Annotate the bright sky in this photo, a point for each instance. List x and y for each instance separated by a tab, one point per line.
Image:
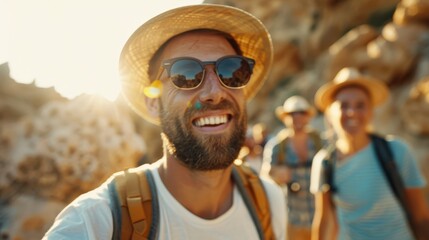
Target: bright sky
72	45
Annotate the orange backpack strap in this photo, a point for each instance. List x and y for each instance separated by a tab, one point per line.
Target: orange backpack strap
255	198
134	205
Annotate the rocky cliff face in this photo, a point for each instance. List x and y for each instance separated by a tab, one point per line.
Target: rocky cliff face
53	149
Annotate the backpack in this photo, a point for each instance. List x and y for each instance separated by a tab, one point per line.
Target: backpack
135	209
283	138
387	163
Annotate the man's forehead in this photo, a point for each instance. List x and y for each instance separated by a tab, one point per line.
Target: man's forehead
199	45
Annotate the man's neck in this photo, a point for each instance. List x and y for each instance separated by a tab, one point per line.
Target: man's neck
207	194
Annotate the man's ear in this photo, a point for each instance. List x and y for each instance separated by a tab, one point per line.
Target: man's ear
152	105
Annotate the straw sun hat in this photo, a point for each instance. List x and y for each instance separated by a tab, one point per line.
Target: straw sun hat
377	90
294	104
250	34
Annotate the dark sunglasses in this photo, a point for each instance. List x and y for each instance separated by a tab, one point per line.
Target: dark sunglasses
188	73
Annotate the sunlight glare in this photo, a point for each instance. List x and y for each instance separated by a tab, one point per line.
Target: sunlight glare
72	45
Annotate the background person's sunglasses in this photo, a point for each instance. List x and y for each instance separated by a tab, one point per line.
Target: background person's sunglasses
188	73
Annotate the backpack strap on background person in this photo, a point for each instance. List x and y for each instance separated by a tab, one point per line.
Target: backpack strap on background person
317	140
387	163
329	168
255	198
385	158
135	207
282	139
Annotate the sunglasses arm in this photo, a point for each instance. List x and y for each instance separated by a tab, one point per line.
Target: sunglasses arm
158	75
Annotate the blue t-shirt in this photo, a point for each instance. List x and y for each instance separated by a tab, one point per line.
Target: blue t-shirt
366	208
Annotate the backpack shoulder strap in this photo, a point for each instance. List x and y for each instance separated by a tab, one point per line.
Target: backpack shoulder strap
317	140
282	139
329	168
134	207
255	198
385	158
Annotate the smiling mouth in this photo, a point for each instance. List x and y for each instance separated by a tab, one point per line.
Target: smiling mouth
352	123
211	121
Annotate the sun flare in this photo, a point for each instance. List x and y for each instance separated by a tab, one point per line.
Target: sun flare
72	45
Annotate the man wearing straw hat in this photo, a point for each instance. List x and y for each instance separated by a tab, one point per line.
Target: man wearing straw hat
190	70
288	158
350	179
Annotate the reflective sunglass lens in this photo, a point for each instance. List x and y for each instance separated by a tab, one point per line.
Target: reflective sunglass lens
186	73
234	72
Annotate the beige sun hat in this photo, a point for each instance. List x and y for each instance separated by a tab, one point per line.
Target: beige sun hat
351	77
249	32
295	104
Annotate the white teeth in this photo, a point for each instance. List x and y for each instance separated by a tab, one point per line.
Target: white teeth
212	120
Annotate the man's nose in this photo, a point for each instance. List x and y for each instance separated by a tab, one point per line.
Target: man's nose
212	89
350	111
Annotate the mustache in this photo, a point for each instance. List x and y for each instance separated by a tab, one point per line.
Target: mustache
200	107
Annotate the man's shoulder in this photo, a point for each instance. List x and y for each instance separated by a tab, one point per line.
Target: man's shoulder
396	142
101	194
93	198
84	217
397	145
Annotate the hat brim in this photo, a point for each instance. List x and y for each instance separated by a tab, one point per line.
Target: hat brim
377	90
249	33
280	112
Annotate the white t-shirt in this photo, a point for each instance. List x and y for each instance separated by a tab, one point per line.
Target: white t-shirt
90	217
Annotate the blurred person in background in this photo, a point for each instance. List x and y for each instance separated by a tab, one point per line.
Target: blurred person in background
352	192
251	153
287	159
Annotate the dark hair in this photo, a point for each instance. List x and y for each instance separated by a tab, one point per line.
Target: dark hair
154	61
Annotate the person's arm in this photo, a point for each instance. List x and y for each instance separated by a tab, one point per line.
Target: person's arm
419	211
280	174
325	224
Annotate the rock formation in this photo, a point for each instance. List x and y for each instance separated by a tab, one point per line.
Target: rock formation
53	150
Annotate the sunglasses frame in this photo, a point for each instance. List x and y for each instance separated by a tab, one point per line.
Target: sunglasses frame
167	64
301	112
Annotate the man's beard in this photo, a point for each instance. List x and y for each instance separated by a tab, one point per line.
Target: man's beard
208	153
